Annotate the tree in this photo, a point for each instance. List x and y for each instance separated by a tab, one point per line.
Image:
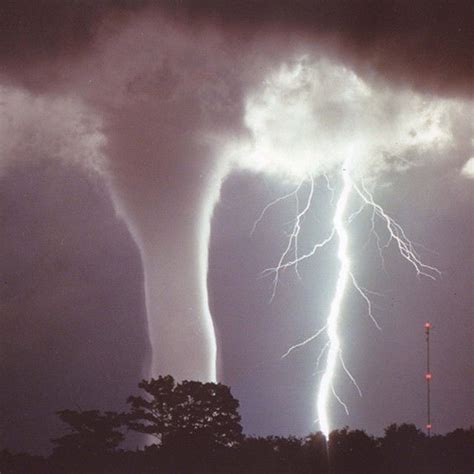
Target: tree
402	447
13	463
187	412
353	451
273	454
316	452
91	433
452	452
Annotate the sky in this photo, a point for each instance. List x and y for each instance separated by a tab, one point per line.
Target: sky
140	143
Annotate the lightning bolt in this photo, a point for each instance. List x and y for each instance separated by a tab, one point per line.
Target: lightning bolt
346	279
334	349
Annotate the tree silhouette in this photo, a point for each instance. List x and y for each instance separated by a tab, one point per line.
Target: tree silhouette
316	452
187	413
194	443
91	433
352	451
453	452
402	447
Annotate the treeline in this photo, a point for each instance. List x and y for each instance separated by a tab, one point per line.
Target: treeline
194	428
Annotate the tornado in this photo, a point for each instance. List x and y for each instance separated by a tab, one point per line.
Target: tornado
168	108
150	113
168	205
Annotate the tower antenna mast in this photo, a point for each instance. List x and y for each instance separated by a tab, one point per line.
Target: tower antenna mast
428	377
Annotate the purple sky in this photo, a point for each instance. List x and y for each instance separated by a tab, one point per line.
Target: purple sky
74	243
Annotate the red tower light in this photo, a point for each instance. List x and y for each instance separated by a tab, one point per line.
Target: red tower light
428	376
427	325
428	426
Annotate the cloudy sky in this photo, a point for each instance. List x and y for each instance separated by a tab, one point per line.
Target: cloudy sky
140	142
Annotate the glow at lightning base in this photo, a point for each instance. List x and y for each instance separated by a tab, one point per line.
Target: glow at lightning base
313	119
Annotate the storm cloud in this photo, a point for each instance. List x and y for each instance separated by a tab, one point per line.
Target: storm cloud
425	43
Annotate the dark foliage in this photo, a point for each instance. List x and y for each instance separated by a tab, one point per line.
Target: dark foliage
187	414
91	432
353	451
402	447
197	431
92	437
22	463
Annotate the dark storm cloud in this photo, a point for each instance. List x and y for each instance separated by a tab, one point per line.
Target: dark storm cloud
399	39
427	44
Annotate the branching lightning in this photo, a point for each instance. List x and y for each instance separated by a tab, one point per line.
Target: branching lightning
346	279
293	239
397	234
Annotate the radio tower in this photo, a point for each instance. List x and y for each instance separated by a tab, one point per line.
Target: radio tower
428	379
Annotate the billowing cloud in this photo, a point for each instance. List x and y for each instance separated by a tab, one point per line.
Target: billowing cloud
310	117
468	168
34	127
